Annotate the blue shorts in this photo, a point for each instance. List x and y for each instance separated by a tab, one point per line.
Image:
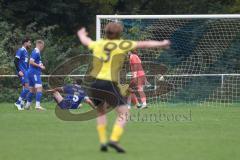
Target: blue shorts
24	79
34	80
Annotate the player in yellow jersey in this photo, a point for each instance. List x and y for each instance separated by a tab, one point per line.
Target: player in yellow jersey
108	58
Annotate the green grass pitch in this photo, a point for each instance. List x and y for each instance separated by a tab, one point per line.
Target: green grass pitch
176	132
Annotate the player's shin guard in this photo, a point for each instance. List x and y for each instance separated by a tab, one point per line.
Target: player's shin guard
116	133
23	95
142	95
134	98
38	98
29	99
19	100
102	133
129	101
144	100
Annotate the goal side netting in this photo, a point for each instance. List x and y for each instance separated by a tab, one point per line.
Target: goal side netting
202	65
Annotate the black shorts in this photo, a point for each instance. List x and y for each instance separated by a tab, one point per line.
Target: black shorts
65	104
101	91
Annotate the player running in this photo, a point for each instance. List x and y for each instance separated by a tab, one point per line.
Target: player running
138	80
34	73
108	58
21	64
74	95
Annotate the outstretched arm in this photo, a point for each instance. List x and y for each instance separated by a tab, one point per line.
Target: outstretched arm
83	37
153	44
58	89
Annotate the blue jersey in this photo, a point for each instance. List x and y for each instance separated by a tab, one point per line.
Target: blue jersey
22	55
36	57
74	94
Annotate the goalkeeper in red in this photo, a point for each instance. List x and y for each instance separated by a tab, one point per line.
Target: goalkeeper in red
138	80
109	55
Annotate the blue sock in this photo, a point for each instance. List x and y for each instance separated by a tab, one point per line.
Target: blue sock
23	95
29	97
19	100
38	98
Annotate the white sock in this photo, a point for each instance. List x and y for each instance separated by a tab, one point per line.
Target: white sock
144	103
129	100
28	104
37	104
20	99
22	102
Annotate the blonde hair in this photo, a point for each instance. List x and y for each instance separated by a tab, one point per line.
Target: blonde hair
39	42
113	30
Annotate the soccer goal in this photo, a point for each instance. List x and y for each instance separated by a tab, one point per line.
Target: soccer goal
203	64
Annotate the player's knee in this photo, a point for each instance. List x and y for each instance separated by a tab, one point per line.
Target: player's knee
38	87
101	111
31	89
122	111
26	86
56	94
122	119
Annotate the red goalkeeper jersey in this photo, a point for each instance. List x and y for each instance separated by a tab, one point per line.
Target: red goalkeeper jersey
136	66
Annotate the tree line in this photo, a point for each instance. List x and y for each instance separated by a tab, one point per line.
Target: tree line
57	21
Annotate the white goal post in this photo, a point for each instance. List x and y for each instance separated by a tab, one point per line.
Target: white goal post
117	17
201	44
203	62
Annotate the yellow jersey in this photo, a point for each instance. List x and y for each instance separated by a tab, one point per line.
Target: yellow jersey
108	57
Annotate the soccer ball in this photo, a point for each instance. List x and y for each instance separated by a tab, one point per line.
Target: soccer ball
160	78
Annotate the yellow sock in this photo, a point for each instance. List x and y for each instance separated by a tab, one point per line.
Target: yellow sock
116	133
102	134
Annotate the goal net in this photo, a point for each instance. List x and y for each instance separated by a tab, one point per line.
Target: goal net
202	65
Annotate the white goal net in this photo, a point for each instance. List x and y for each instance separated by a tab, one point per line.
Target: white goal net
203	64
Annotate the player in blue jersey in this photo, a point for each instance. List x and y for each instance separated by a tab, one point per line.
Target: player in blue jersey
34	73
21	64
74	95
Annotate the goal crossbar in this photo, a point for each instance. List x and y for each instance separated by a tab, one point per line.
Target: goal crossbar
168	16
180	75
200	16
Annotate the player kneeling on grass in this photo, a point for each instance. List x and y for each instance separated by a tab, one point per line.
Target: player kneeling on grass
74	95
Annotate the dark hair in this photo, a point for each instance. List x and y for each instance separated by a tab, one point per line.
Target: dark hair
26	39
113	30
